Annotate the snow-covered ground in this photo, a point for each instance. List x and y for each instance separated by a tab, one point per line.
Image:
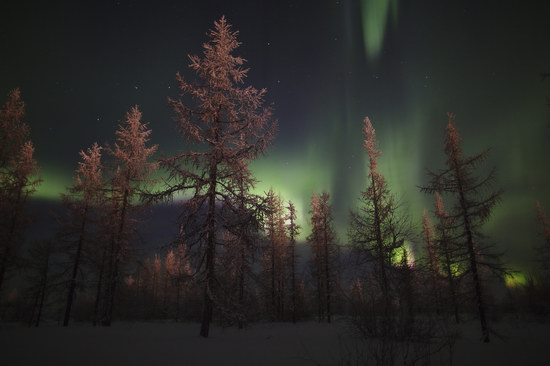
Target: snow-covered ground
261	344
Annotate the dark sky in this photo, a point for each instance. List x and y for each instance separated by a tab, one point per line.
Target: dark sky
326	64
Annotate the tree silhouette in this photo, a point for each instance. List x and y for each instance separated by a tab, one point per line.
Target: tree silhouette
472	208
377	229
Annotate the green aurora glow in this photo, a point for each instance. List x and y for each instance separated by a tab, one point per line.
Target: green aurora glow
405	78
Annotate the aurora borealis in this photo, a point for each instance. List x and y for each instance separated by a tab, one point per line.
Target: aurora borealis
326	65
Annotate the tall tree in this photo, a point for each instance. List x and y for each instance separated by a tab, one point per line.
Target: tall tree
472	208
447	251
18	171
228	124
293	231
85	195
432	259
377	228
38	274
132	168
14	131
18	182
324	252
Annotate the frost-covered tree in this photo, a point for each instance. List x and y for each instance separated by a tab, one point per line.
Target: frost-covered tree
14	131
18	182
474	200
132	169
84	197
225	123
18	170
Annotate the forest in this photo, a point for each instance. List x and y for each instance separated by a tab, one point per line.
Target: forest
236	260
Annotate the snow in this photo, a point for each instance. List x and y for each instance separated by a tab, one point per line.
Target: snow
306	343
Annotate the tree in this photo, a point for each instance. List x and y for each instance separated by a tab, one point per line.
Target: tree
447	250
472	208
377	229
544	250
18	181
324	251
14	131
39	275
433	265
293	230
132	169
228	124
86	195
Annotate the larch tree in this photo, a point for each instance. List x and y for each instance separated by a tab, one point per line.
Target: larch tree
432	259
132	168
18	171
377	228
39	275
14	131
226	124
474	200
324	252
293	230
83	198
18	183
447	252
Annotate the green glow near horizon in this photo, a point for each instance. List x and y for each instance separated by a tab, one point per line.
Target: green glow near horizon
514	280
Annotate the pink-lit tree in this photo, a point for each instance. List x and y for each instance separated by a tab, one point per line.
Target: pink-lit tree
132	169
84	197
227	126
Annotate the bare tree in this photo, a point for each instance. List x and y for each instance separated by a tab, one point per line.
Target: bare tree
472	208
228	124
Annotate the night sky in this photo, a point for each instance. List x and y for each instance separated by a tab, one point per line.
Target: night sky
326	64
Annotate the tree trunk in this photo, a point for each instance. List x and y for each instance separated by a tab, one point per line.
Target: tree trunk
327	273
72	284
210	252
98	289
472	259
117	248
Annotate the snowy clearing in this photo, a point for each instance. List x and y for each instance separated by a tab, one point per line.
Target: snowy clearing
261	344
